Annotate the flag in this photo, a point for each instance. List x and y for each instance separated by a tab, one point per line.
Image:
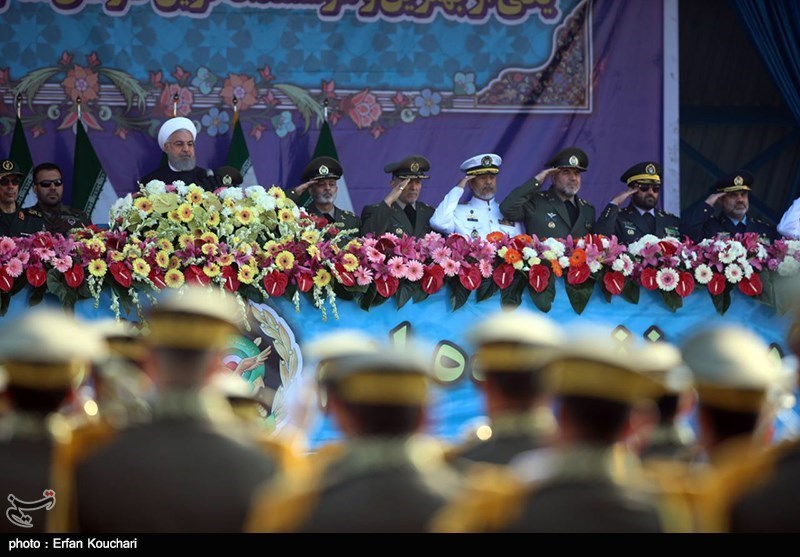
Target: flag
239	154
326	148
21	154
91	190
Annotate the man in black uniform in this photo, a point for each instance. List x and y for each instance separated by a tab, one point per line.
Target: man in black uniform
49	189
13	221
176	138
557	212
731	194
401	212
640	216
320	176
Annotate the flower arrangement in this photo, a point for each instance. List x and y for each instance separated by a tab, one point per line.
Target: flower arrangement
257	243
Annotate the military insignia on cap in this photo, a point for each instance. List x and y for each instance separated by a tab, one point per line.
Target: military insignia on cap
573	160
227	180
414	167
551	224
323	170
650	169
8	165
486	161
398	231
738	181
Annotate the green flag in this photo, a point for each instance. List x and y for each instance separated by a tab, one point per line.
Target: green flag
239	155
327	148
21	154
91	190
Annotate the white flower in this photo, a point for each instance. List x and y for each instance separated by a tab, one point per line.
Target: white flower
231	193
180	187
155	187
636	247
555	246
254	191
667	279
788	267
623	264
747	269
703	274
121	205
733	273
529	253
226	212
793	245
564	262
731	252
595	266
534	261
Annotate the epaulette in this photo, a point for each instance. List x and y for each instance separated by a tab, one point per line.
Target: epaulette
349	213
34	212
582	201
761	221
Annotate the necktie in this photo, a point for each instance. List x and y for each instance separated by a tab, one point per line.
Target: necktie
572	211
411	213
650	220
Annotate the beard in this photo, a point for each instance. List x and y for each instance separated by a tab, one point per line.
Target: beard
182	164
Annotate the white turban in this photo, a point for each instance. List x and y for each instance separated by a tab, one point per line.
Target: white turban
172	125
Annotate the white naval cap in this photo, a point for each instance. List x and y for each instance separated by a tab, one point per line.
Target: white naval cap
487	163
172	125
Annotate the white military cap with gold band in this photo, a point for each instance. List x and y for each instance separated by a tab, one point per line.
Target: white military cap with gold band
46	348
663	362
592	364
339	344
382	378
487	163
731	367
193	318
514	341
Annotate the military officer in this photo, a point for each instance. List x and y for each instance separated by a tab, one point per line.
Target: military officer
43	369
401	212
640	216
557	212
480	214
731	194
48	186
194	467
320	179
385	476
13	221
511	349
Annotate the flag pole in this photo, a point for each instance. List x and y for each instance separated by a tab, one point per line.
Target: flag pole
175	105
235	109
78	102
19	106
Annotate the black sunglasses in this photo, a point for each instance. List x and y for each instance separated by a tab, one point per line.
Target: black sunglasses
644	187
48	183
10	181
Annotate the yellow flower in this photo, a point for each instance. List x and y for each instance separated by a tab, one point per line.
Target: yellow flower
194	195
174	262
285	260
311	236
246	274
150	233
244	216
117	255
132	251
322	278
313	251
209	237
174	278
185	213
225	260
184	240
272	247
285	215
229	204
209	249
213	219
349	262
276	192
98	268
174	216
353	244
211	270
144	205
141	267
165	244
96	244
162	259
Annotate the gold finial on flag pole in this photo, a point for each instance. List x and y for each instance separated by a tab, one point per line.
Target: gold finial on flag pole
325	109
235	102
175	105
78	104
19	106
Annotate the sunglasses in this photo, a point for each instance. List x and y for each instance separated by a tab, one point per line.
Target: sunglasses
644	187
48	183
10	181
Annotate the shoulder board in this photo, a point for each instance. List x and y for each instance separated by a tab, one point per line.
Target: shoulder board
34	212
582	201
349	213
759	220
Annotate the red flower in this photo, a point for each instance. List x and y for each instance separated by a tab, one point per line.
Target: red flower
157	278
275	283
74	276
345	277
121	273
717	284
751	286
432	278
81	82
387	285
470	277
363	108
180	74
195	275
266	73
231	280
6	280
667	248
241	86
36	276
578	275
503	275
304	281
614	281
685	284
538	277
648	279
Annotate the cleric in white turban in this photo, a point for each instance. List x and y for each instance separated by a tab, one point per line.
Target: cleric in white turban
176	138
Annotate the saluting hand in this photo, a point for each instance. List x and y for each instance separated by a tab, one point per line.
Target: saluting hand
542	176
623	196
397	187
464	181
714	197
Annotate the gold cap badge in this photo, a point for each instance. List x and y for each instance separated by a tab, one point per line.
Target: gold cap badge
323	170
650	169
738	181
8	165
486	161
414	167
573	160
